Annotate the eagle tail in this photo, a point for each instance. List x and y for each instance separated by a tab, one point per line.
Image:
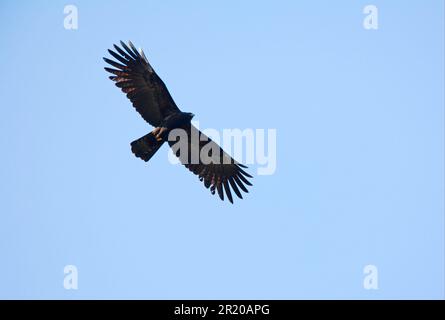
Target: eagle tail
146	146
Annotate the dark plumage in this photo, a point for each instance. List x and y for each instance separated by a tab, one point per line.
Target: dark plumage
150	97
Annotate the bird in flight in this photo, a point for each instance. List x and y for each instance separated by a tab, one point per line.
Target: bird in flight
133	74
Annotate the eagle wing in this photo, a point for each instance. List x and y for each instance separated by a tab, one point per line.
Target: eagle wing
219	171
137	79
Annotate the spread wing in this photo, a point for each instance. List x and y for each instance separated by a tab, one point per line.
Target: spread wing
147	92
206	159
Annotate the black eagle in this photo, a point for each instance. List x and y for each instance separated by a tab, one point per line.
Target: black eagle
133	74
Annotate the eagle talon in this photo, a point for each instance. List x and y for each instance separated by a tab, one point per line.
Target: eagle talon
157	132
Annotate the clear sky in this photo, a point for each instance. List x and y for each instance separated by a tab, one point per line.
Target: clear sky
359	116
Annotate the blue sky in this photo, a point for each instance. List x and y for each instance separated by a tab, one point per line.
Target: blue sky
359	116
